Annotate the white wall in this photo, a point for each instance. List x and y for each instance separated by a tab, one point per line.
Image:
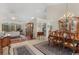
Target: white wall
54	12
39	28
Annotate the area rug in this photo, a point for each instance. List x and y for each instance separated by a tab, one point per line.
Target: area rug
50	50
23	50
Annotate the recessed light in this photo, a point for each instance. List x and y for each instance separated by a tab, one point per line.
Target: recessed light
13	18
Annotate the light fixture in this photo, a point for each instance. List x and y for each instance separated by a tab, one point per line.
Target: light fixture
13	18
32	18
67	12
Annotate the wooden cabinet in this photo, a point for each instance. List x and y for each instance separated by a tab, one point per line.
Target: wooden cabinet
70	24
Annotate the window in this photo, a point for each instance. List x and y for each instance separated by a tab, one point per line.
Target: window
8	27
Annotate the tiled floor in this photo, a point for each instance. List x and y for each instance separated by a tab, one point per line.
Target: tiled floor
29	43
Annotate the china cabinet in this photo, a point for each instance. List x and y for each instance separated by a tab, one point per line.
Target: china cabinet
29	29
70	24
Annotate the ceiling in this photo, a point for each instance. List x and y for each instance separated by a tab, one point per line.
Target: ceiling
58	10
24	11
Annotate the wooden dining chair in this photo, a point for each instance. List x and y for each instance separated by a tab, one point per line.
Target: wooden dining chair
70	42
60	38
55	38
77	48
50	38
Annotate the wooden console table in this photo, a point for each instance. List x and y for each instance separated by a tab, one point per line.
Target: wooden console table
40	34
5	42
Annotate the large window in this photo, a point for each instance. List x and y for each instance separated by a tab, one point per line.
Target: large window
8	27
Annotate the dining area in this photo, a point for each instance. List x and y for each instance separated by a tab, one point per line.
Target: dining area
67	36
64	40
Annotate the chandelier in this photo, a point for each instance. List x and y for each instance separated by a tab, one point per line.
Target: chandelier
67	12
